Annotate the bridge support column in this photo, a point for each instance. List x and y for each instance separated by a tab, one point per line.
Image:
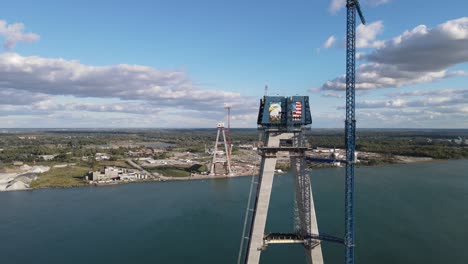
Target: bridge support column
307	221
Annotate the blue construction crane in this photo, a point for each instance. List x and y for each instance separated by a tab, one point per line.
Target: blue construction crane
350	124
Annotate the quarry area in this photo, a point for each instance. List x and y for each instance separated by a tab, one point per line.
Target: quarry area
21	177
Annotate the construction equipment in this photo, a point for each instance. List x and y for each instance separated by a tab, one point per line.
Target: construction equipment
350	124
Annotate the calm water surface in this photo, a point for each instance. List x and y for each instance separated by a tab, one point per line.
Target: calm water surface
415	213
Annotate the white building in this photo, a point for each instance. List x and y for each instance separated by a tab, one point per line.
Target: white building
102	156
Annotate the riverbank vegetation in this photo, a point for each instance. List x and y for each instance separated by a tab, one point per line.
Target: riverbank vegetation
61	177
436	144
179	171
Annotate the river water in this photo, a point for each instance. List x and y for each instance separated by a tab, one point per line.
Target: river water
414	213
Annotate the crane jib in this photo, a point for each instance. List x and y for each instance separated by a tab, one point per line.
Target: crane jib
355	3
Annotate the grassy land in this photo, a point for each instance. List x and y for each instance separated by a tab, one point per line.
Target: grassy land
116	163
61	177
173	171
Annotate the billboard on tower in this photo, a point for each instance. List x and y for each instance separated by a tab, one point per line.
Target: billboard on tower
275	112
284	112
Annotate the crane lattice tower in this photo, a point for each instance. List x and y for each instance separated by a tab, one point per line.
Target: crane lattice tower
350	124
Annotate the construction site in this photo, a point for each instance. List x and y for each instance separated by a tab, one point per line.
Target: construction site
246	132
283	121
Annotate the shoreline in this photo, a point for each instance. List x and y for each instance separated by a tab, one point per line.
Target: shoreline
210	177
408	160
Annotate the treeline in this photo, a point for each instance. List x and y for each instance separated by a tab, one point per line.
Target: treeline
407	144
67	145
399	147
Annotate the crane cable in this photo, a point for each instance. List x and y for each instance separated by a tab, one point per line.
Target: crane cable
244	229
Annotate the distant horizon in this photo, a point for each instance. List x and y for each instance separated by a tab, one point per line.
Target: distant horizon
213	128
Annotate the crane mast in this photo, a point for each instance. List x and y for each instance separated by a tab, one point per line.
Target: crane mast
350	124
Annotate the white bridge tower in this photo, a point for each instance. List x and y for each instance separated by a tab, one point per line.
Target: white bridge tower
220	156
283	121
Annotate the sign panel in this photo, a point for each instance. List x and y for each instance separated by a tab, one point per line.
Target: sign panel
275	112
283	112
296	108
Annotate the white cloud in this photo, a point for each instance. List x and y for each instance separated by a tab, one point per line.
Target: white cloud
439	92
426	49
421	55
366	34
314	90
15	97
14	33
375	75
398	103
329	42
51	106
336	5
446	117
333	94
377	2
34	86
162	88
429	99
419	108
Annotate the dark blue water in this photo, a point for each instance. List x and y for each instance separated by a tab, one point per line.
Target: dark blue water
414	213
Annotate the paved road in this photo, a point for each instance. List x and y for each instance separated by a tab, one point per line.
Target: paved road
136	166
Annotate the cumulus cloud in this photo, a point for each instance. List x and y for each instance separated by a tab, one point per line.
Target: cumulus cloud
126	82
33	86
375	75
15	97
439	92
446	117
426	49
134	108
443	98
366	35
421	55
14	33
51	106
418	108
329	42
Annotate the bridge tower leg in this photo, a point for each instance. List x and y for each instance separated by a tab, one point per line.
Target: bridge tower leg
306	222
217	158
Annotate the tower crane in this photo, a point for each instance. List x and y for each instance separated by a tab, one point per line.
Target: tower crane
350	124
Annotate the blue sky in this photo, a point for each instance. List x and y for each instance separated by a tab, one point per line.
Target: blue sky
175	63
